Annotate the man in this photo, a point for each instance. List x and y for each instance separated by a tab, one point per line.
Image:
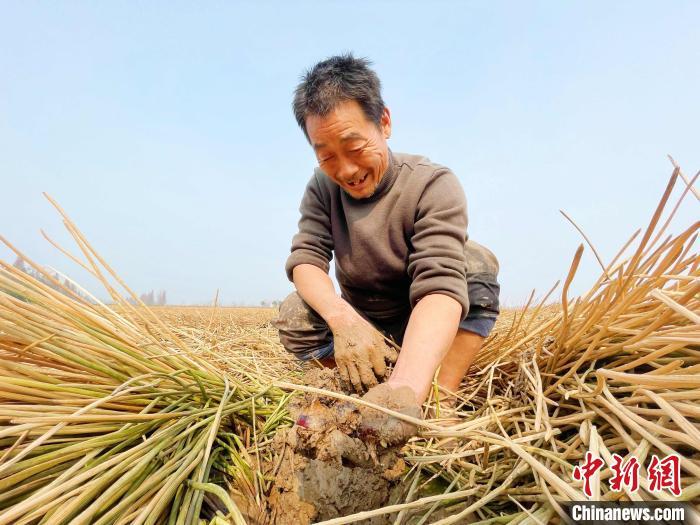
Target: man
397	226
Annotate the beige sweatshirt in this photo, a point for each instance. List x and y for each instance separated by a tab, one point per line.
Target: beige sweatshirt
404	242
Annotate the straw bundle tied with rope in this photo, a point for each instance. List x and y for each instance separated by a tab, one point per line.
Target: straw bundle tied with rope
113	414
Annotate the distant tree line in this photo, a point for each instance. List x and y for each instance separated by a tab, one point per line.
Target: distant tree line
64	284
270	304
151	298
154	299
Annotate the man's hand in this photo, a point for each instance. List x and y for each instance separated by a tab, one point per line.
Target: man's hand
360	352
383	427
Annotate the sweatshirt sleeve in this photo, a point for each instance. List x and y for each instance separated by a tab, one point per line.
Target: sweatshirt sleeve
313	243
436	261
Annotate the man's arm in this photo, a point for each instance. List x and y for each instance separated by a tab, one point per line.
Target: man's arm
313	243
431	329
438	294
359	348
316	288
438	282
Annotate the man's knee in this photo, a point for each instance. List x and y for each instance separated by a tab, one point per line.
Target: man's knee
483	288
295	314
480	260
478	324
301	330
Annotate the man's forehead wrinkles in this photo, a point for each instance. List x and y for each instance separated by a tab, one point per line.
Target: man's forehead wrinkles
351	136
354	135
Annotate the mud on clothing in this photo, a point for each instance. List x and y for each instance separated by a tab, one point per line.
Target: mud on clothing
408	240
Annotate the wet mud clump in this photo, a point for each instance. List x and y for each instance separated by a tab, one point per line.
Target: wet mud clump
325	466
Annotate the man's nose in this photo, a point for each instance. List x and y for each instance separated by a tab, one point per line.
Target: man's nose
347	170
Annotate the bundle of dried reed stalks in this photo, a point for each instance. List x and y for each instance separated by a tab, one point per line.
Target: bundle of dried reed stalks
107	417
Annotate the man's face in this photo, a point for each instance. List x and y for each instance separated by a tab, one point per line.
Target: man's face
351	149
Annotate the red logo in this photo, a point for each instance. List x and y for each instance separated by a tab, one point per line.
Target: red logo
665	474
624	474
584	472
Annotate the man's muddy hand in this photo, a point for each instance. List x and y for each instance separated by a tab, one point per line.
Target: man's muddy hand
361	353
383	427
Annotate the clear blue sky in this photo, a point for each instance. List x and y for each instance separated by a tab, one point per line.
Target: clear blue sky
165	128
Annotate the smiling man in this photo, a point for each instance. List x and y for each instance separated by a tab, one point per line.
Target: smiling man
397	227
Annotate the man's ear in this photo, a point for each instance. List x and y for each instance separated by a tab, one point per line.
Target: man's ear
385	122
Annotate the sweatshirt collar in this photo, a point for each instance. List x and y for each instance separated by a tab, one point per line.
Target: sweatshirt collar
386	182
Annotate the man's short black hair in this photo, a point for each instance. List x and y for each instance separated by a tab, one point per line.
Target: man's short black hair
335	80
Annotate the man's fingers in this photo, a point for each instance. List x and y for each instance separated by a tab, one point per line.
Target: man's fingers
377	357
385	427
343	370
366	374
355	377
390	354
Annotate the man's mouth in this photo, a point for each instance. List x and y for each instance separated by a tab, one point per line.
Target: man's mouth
359	182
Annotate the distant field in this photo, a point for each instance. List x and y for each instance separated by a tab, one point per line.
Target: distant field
240	316
221	331
229	324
